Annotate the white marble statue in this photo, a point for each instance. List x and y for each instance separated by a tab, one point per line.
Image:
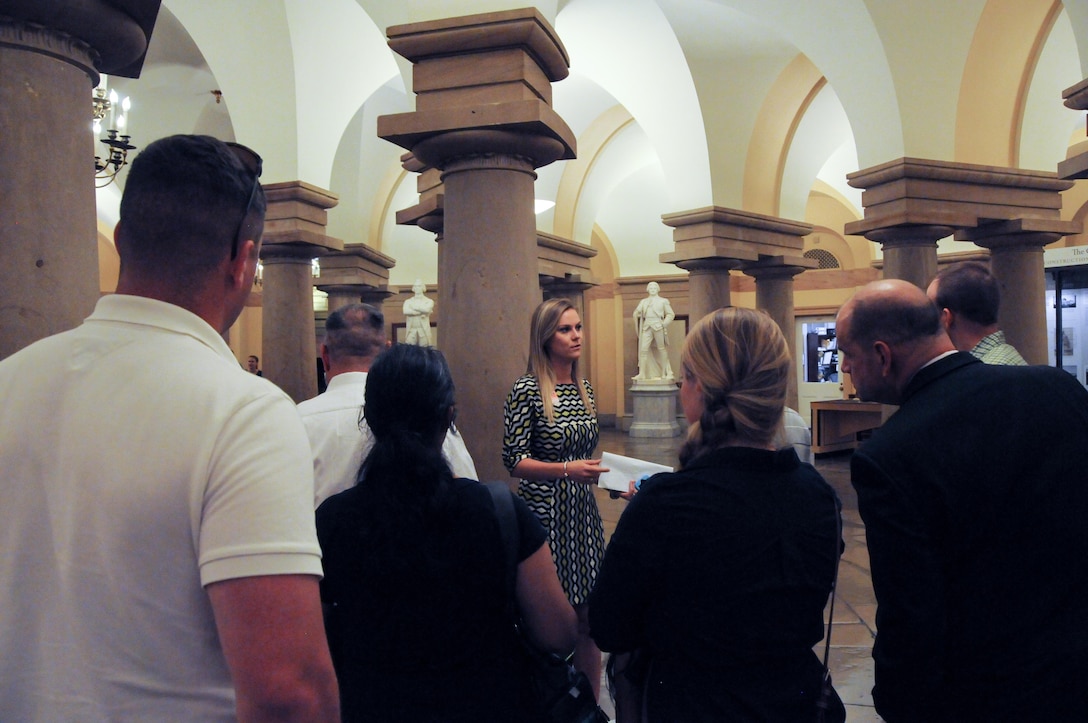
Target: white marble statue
652	317
417	316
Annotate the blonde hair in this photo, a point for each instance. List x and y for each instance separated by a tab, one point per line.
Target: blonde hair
740	358
542	328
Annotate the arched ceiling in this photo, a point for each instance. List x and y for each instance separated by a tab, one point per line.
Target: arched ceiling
665	97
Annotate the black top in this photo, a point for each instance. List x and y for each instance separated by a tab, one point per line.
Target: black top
432	640
975	501
721	573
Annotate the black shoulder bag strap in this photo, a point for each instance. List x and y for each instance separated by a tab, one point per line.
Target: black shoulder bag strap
508	528
823	704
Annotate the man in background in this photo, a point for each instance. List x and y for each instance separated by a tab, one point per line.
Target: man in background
160	559
339	436
974	500
253	364
968	296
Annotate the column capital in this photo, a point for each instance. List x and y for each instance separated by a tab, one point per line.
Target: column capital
715	232
710	265
1022	232
522	29
427	214
357	266
368	294
116	32
295	221
49	41
779	267
1076	96
1076	166
918	192
526	143
564	260
479	74
910	235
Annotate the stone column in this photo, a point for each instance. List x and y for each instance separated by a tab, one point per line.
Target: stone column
774	294
294	234
50	53
910	252
375	297
483	118
708	282
910	203
356	274
1016	260
711	241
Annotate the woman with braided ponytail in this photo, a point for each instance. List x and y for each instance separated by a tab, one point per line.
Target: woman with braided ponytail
718	573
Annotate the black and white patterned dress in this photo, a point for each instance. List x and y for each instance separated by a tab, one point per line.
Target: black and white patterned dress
567	509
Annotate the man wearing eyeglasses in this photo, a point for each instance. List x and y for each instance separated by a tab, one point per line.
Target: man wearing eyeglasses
156	501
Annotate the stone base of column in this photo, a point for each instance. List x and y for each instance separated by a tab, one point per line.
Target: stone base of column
655	408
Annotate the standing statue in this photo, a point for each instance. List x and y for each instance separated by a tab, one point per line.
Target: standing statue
652	317
417	316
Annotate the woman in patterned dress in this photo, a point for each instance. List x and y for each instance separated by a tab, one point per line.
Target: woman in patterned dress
551	431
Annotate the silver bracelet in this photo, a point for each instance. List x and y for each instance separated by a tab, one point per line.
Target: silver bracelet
565	475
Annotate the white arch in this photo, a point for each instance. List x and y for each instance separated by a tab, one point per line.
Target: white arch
628	48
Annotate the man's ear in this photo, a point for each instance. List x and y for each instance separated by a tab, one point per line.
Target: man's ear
947	319
239	265
884	354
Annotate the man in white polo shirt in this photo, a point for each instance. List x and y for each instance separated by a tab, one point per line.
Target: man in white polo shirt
159	554
339	436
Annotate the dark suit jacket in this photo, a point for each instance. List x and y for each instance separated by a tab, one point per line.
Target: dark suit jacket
975	501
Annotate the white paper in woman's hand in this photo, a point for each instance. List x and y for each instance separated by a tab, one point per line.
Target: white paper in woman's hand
624	469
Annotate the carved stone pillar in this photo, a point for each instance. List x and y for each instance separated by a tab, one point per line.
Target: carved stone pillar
358	273
774	294
910	203
294	234
1016	260
483	118
708	282
50	53
711	241
910	252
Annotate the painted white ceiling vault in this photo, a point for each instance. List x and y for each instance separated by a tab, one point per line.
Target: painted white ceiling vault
677	104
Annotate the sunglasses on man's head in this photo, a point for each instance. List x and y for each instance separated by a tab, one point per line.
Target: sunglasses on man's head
254	164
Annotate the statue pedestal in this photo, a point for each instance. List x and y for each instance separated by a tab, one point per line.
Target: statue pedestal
655	408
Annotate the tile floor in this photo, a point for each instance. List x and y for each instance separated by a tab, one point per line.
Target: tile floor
855	606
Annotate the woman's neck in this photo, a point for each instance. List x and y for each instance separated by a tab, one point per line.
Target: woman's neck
563	373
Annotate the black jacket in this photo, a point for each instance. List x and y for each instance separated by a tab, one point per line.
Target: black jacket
975	501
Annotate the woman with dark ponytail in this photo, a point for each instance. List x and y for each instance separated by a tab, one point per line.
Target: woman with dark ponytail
419	616
718	574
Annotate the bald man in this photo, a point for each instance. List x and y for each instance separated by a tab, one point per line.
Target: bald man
975	504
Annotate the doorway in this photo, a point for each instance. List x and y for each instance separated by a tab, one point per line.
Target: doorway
817	363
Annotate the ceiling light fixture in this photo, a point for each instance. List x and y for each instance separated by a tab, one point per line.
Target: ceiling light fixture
103	102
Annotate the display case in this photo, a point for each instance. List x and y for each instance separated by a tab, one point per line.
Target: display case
1067	310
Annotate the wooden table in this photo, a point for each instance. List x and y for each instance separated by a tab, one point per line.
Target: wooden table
836	423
